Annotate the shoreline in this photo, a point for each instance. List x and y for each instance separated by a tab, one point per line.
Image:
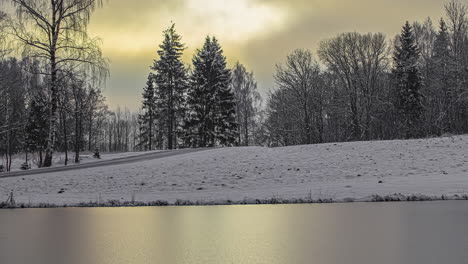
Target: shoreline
396	198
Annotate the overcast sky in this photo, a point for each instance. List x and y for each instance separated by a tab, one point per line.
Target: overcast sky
258	33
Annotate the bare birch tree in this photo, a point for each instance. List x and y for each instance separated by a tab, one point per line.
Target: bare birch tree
300	75
4	49
248	102
55	31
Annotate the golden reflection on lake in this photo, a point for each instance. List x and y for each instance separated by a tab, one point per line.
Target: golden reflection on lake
338	233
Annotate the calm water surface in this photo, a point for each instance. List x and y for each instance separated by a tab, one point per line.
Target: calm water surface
412	233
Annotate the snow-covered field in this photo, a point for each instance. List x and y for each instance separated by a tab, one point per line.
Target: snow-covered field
358	170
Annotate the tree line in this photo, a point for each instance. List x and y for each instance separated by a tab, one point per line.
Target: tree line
51	98
84	121
367	87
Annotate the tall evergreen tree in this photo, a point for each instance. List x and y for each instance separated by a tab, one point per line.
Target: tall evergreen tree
408	83
36	127
441	79
171	84
226	126
148	116
212	117
37	112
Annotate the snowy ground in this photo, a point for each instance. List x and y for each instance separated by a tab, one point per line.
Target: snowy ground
358	170
59	159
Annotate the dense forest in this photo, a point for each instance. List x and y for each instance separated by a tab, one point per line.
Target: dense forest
358	87
354	87
368	87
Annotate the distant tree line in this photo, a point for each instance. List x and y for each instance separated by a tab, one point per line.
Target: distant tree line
84	120
374	88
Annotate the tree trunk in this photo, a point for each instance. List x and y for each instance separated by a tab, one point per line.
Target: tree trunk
65	138
9	161
355	118
246	129
90	131
53	113
307	124
320	123
110	137
77	132
171	115
150	132
8	135
40	157
239	121
7	154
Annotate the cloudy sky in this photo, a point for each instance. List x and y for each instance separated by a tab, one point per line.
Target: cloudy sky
258	33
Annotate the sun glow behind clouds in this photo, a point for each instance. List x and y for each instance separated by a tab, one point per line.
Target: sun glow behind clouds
235	20
231	21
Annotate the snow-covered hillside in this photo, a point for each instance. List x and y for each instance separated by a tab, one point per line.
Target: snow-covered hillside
357	170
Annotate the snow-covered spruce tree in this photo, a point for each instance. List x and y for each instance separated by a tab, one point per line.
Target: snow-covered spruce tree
211	119
148	117
171	84
442	80
408	83
226	126
36	127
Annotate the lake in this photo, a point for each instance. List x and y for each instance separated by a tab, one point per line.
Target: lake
361	233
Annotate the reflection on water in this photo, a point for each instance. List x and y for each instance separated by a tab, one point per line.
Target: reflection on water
434	232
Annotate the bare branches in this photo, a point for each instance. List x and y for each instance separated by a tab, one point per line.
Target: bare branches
4	47
248	103
299	73
457	15
357	60
299	79
56	30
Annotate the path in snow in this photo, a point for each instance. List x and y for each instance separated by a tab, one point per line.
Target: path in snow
122	159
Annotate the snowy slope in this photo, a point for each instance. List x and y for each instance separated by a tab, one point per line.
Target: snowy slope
357	170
